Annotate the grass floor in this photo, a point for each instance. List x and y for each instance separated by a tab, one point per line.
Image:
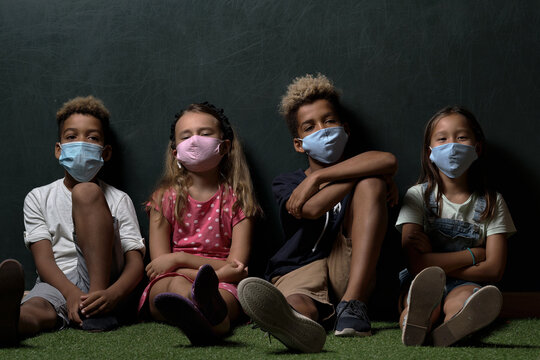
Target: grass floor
506	339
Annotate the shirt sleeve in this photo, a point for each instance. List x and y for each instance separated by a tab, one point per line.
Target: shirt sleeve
283	186
128	226
502	222
34	222
412	210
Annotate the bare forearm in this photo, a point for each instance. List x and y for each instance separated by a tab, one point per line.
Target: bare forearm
449	261
370	163
190	261
326	199
486	271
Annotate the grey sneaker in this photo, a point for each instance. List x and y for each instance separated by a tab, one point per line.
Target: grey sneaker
480	309
425	294
269	309
352	319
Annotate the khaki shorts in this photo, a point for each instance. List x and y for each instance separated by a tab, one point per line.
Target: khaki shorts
322	279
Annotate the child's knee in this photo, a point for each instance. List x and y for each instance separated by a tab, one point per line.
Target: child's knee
86	193
371	187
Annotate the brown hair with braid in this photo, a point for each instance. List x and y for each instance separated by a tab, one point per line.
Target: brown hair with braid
476	177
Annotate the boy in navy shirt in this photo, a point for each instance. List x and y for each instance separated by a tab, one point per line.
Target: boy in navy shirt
334	218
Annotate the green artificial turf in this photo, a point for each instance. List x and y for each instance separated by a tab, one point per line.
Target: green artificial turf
513	339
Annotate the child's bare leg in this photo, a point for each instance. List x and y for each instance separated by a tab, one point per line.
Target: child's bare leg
304	305
95	233
174	284
366	226
456	299
37	315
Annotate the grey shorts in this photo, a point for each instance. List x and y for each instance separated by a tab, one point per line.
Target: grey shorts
79	277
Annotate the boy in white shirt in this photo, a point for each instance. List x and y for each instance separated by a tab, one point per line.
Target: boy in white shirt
83	234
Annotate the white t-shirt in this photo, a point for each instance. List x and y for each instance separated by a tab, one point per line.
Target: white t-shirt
47	215
412	211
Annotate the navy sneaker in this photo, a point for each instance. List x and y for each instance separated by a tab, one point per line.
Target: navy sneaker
352	319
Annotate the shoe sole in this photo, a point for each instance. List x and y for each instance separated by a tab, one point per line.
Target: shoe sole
426	292
269	309
481	309
11	292
206	296
348	332
182	313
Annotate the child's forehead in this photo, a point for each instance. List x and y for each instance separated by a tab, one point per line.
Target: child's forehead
196	120
82	122
452	122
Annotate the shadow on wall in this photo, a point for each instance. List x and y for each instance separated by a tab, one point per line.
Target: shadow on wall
521	191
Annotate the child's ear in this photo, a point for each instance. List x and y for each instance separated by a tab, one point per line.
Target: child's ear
478	148
297	143
224	147
57	151
107	153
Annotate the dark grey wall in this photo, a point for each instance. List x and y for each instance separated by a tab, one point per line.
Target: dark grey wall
397	62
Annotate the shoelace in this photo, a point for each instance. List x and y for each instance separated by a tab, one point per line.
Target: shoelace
266	333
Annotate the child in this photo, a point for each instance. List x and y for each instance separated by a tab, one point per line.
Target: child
83	235
334	219
201	221
454	230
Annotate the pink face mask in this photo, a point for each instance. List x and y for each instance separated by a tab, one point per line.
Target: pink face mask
199	153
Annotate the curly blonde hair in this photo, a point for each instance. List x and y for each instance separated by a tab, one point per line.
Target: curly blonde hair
88	105
306	90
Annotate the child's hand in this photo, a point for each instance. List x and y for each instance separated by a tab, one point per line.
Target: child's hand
73	301
479	254
98	302
419	241
233	271
303	192
164	263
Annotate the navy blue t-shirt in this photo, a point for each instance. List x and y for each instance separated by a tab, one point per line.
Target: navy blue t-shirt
305	240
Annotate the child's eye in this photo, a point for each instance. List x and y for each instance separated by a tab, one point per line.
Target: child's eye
331	121
308	128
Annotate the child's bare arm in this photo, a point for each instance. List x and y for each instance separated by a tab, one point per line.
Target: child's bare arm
311	199
420	256
50	273
492	268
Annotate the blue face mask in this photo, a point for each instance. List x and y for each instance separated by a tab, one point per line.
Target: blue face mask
453	159
82	160
326	145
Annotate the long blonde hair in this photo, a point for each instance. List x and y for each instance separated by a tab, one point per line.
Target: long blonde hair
233	168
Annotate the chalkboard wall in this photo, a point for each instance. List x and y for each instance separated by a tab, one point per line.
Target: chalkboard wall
397	62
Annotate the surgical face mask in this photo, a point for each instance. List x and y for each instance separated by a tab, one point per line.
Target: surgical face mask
326	145
453	159
82	160
199	153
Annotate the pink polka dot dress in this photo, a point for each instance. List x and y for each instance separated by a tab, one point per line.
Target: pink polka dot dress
205	229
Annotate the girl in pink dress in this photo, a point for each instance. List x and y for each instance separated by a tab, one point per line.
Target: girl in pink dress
201	222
